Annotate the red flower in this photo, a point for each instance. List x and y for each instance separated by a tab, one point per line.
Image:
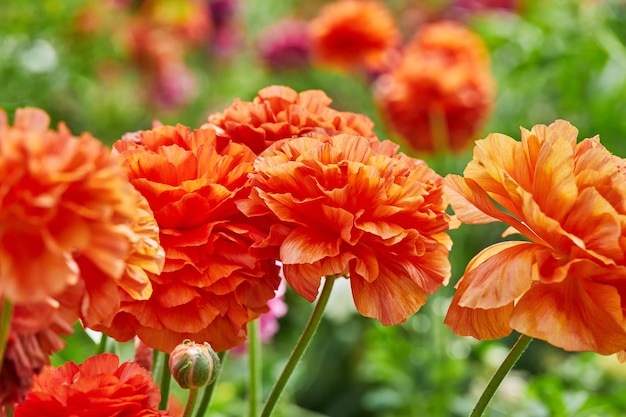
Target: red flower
566	282
441	92
98	387
33	337
68	215
279	112
351	33
344	205
211	285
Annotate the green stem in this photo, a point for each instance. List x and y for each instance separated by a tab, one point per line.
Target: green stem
254	358
514	354
301	345
8	410
166	378
191	401
208	390
102	346
5	326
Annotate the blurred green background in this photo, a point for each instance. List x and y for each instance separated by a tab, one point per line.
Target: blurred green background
552	60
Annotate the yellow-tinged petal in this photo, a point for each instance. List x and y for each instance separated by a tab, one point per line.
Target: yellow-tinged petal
554	186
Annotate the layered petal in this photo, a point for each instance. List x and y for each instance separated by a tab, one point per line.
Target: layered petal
101	386
211	285
351	207
279	112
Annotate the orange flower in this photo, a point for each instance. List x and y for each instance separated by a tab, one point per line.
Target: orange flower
100	387
442	91
279	112
351	33
67	213
211	285
567	284
344	205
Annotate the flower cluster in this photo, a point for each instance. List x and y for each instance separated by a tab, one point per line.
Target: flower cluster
176	237
434	89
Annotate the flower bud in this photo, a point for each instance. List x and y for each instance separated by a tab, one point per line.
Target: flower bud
194	365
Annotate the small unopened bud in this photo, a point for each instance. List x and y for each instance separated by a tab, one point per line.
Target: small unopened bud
194	365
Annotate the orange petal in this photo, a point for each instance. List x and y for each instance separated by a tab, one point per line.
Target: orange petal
391	298
477	322
472	204
305	279
575	315
306	245
554	187
499	275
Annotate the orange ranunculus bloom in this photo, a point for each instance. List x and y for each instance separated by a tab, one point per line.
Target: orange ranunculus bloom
567	283
351	33
442	91
68	215
344	205
100	387
279	112
211	285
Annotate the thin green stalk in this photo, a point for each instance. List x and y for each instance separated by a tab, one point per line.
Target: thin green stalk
254	360
166	378
191	402
514	354
102	346
208	390
301	345
5	325
8	410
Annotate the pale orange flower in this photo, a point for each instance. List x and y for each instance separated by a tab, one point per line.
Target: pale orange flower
352	33
566	284
442	91
68	215
100	387
344	205
279	112
211	286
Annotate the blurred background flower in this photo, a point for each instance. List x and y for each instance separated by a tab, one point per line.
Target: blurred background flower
354	34
441	93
